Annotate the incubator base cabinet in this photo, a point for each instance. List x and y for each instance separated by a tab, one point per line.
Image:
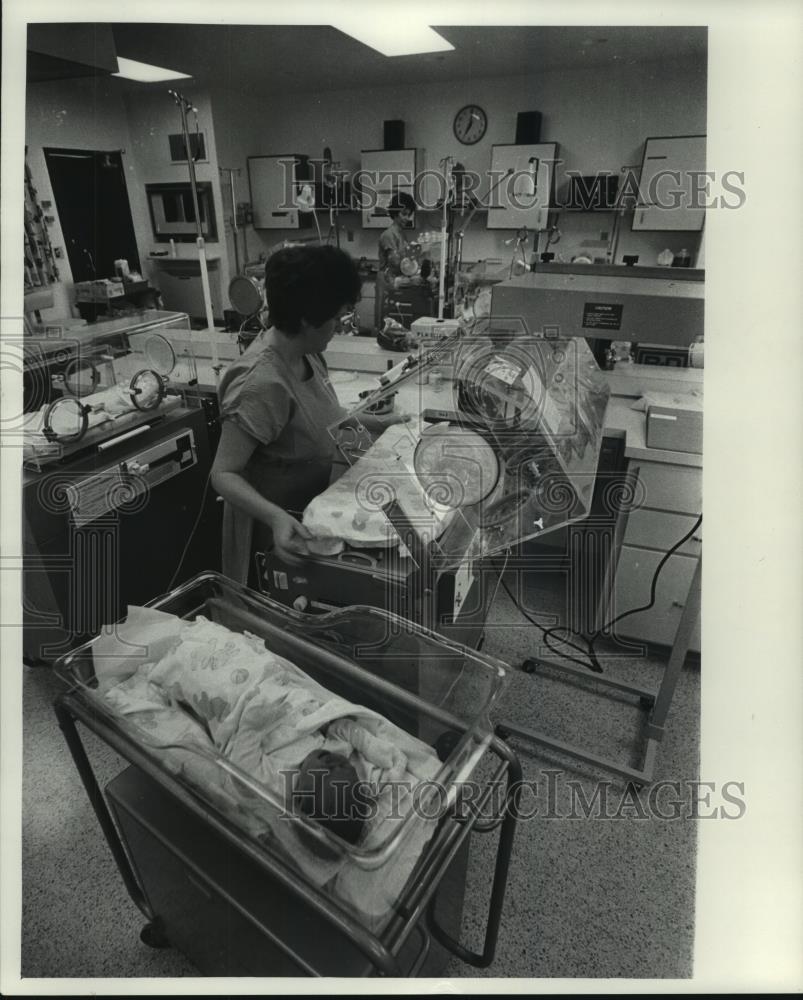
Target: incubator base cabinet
104	529
216	696
117	444
458	607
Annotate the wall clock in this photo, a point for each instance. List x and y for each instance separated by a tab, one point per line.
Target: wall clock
470	124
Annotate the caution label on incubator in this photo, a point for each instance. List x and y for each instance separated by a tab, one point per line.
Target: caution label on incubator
602	316
94	496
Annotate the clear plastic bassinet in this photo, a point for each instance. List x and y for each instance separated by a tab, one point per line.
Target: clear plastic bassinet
433	690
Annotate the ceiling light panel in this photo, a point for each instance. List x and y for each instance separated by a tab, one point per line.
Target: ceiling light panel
392	37
130	69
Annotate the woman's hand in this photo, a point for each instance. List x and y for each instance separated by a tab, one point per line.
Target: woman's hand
386	419
289	537
378	422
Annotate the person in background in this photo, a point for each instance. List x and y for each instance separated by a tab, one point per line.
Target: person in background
277	404
404	281
392	242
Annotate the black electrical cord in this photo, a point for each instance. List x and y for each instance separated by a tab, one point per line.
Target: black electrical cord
595	667
654	584
192	532
590	651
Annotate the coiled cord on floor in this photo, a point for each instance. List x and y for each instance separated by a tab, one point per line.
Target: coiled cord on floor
593	663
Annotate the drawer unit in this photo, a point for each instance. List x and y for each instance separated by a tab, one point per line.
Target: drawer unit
656	529
634	575
670	503
670	487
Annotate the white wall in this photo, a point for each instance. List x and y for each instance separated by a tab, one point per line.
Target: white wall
77	114
599	117
103	114
153	115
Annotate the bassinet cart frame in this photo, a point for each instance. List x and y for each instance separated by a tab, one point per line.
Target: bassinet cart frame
415	909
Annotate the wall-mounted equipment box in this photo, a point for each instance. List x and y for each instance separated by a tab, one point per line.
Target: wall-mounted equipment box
524	177
274	184
670	197
173	211
384	173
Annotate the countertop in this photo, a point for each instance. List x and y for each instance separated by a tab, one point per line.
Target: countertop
96	332
357	362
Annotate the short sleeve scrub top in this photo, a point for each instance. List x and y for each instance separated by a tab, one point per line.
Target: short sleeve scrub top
289	416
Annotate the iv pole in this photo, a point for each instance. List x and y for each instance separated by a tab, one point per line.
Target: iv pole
231	171
185	106
448	163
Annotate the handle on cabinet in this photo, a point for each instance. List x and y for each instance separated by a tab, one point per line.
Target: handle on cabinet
677	604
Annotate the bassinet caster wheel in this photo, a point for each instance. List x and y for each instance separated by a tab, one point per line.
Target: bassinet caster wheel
153	936
529	666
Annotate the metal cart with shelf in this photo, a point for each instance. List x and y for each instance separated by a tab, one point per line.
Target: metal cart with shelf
234	903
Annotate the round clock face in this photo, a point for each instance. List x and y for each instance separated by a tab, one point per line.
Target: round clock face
470	124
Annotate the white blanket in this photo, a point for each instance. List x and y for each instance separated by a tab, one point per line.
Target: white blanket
205	697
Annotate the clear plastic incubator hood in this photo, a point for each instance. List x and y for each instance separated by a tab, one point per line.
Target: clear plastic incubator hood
513	442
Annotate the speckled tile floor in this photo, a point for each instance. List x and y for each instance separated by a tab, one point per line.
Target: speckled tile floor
587	897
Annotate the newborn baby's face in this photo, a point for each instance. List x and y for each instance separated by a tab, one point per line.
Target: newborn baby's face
335	764
324	790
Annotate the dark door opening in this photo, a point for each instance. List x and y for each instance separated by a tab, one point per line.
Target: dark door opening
94	211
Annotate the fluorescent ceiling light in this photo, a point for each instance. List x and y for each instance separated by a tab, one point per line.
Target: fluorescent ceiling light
394	37
130	69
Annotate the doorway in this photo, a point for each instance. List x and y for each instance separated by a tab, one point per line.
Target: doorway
95	214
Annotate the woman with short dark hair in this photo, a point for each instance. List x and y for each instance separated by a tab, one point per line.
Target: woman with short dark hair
309	283
277	407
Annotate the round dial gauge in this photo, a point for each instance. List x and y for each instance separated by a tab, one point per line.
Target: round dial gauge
470	124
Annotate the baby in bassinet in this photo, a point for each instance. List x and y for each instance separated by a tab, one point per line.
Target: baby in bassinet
271	720
326	789
207	697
